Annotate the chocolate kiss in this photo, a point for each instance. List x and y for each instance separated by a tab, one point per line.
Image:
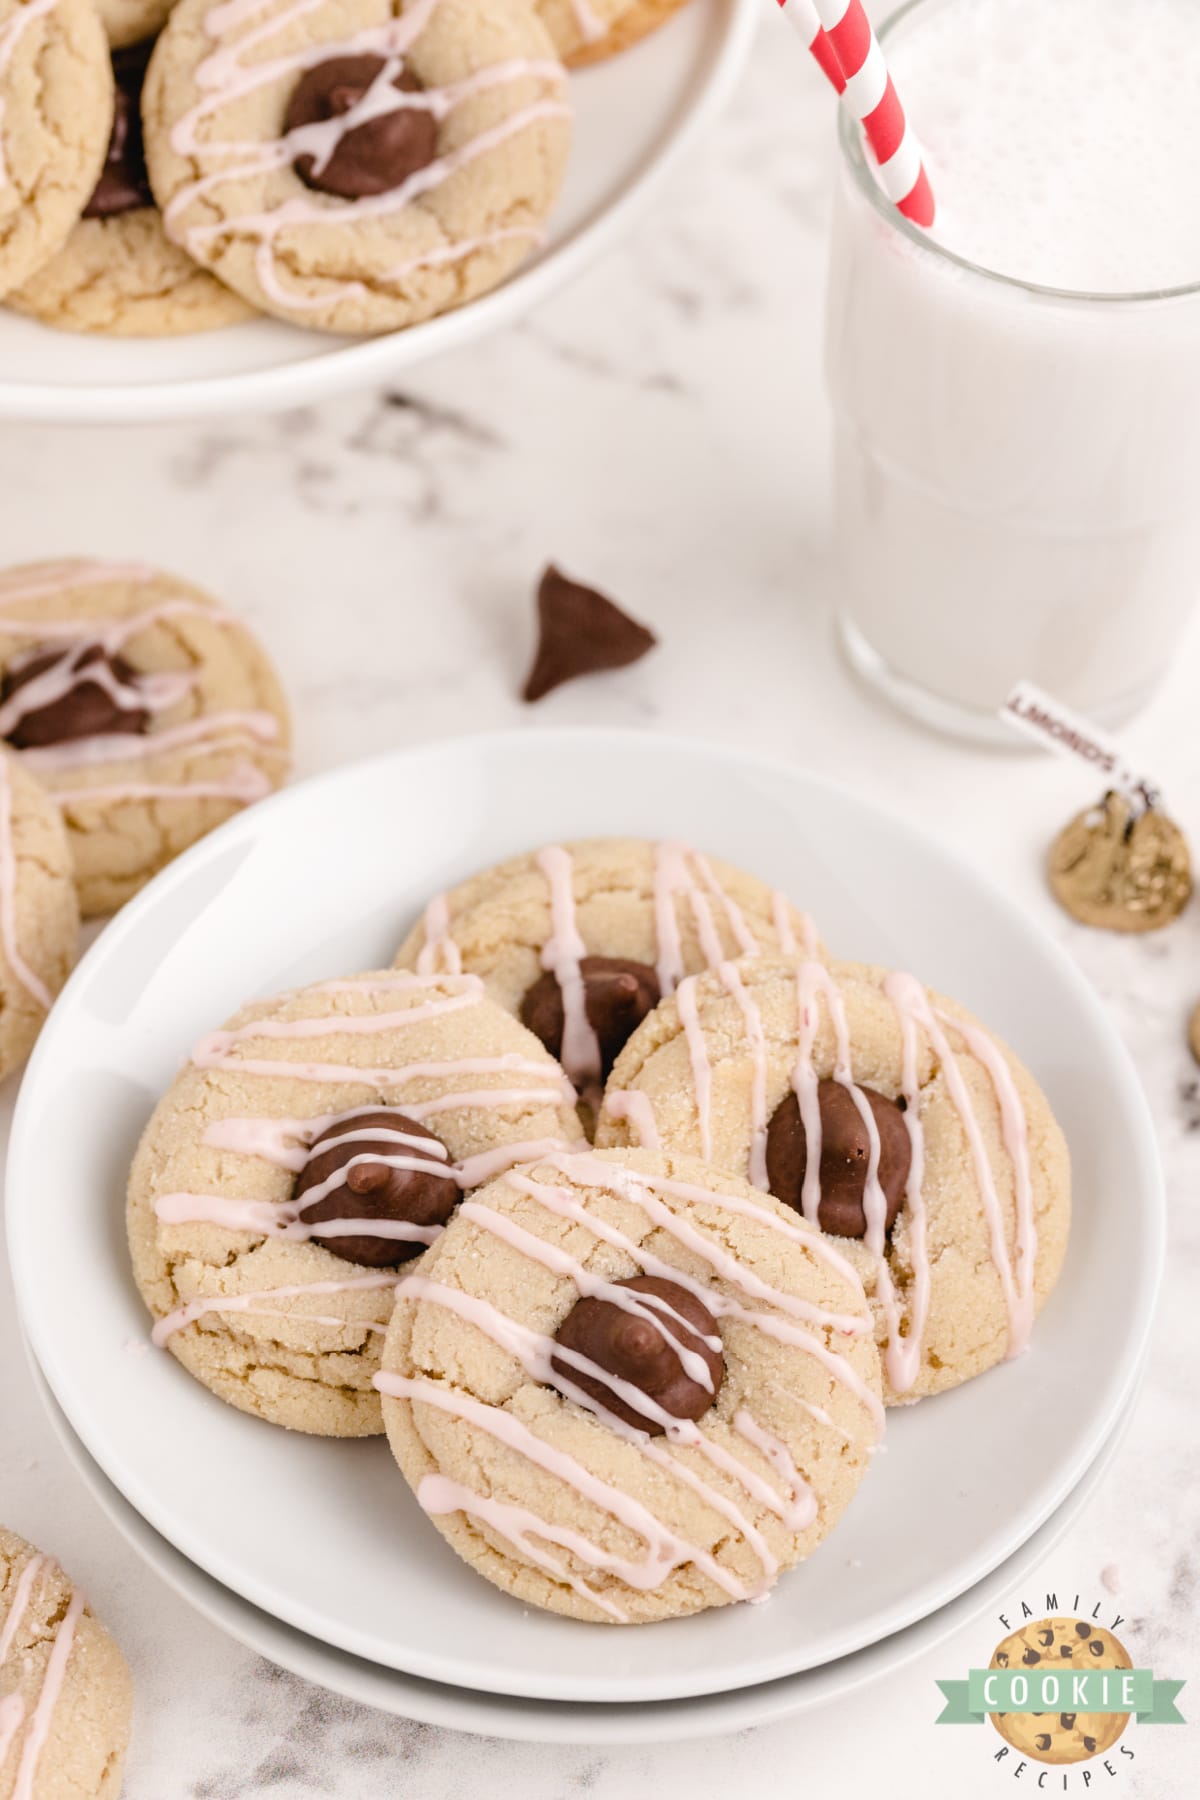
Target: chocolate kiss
374	157
633	1347
85	710
124	185
580	632
617	996
375	1190
845	1154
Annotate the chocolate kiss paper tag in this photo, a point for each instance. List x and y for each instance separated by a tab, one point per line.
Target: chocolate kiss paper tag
1122	864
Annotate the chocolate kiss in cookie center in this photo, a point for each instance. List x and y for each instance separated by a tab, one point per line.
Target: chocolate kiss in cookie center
618	994
845	1157
82	707
376	1190
371	158
632	1346
124	185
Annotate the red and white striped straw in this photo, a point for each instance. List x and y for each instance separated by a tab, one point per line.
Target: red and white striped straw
843	42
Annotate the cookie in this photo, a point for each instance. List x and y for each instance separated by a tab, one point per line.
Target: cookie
356	165
118	273
309	1150
582	940
56	108
66	1697
133	21
888	1116
588	31
627	1388
39	915
149	713
1071	1645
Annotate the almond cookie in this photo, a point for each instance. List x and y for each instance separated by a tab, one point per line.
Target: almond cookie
119	273
582	940
587	31
319	1141
1069	1645
56	109
66	1698
625	1387
356	165
39	915
148	712
885	1114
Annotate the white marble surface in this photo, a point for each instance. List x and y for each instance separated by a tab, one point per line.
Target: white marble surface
660	429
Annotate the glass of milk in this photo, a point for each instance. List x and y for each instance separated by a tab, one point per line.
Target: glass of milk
1016	395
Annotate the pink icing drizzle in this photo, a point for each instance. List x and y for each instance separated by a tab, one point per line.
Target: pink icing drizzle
20	1603
635	1108
561	954
693	1031
52	1686
33	984
12	1717
166	1327
439	946
734	986
911	999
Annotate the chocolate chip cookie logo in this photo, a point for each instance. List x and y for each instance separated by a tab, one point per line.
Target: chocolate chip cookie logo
1061	1690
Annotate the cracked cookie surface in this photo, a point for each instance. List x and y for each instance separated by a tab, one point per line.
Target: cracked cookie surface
148	712
430	157
950	1298
39	914
56	109
212	1214
59	1666
123	277
548	1495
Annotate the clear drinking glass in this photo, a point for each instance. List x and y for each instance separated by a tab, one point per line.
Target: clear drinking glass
1016	471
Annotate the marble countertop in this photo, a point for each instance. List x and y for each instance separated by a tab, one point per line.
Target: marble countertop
660	429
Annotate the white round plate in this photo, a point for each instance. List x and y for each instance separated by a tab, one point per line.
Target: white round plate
561	1722
323	880
634	116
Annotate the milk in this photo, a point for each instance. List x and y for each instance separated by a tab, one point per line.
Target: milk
1017	471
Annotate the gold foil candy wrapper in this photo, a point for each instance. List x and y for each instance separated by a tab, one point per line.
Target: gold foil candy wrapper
1122	867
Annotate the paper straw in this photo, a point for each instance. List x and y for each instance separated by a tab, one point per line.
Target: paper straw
802	15
843	42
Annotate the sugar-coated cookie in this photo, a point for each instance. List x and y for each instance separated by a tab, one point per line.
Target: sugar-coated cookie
56	108
66	1698
581	940
307	1151
149	712
588	31
39	914
118	273
356	165
888	1115
626	1387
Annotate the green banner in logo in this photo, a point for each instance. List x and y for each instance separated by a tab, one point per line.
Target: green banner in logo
1055	1690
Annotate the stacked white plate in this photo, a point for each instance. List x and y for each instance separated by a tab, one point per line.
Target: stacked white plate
973	1485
